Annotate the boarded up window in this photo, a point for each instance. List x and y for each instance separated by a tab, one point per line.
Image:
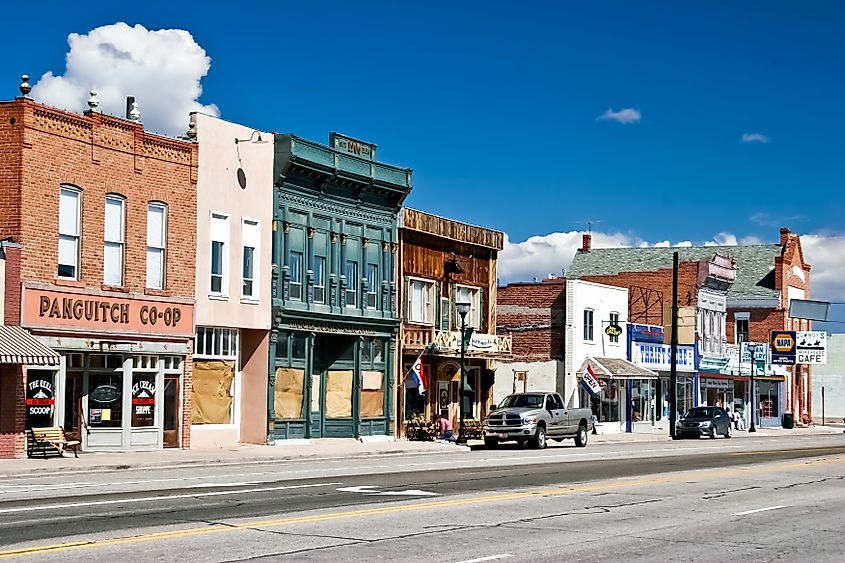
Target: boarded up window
372	394
212	391
289	390
339	393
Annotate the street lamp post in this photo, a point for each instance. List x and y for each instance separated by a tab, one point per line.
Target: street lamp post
463	310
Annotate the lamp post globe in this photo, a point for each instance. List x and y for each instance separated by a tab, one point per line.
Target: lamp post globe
463	311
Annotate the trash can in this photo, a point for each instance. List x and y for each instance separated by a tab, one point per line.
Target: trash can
788	420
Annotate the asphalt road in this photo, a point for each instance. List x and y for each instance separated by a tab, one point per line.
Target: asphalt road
426	508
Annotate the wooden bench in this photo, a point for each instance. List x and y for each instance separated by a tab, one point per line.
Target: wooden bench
50	439
419	429
472	428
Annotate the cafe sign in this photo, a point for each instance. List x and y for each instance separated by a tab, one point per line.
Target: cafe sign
65	310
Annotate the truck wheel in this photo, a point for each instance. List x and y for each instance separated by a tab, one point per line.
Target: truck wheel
581	436
539	439
491	443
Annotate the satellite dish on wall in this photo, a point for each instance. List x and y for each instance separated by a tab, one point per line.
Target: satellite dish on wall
241	178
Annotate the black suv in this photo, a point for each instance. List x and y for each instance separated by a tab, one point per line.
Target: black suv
703	421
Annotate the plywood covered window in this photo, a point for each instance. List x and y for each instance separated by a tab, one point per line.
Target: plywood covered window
339	393
289	392
215	377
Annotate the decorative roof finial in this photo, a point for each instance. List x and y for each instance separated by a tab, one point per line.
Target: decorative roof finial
93	102
25	88
191	133
135	113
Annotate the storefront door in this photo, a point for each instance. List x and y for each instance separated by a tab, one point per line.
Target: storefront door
73	405
171	411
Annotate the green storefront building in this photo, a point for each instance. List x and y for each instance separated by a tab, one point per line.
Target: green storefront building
335	320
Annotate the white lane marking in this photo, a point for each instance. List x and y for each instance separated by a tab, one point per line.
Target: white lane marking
488	558
213	485
373	491
159	498
759	510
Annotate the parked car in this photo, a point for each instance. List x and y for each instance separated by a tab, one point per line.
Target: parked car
703	421
531	418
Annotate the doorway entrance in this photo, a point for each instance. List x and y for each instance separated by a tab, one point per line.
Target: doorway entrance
170	427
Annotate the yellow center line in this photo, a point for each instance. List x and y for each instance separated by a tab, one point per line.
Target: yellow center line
624	483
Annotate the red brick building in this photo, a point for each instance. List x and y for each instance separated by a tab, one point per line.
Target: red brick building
101	216
767	277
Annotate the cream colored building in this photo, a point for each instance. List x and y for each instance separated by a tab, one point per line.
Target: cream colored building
233	303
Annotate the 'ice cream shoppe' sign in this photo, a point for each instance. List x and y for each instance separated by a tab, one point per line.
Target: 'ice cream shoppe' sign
58	310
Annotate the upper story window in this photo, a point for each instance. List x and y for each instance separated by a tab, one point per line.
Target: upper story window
421	301
319	269
471	295
372	286
614	320
588	324
113	239
250	237
219	254
351	283
70	206
156	244
741	329
295	270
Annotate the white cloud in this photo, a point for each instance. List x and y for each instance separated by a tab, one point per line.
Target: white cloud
544	254
161	68
827	277
625	116
663	244
755	138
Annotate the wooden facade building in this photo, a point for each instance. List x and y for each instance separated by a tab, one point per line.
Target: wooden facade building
444	262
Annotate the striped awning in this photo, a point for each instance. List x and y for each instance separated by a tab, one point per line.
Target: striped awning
17	346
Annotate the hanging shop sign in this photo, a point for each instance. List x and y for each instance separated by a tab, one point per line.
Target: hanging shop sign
613	330
811	347
65	310
783	347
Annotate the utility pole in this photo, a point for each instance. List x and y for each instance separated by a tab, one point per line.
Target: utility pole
673	352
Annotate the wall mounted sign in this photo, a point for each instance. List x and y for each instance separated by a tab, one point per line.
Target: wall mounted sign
66	310
658	357
352	146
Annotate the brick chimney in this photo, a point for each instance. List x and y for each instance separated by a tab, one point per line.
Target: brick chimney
586	242
784	235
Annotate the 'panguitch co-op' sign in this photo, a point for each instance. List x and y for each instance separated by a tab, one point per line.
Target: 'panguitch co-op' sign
97	313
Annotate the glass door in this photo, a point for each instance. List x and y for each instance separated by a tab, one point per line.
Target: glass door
171	411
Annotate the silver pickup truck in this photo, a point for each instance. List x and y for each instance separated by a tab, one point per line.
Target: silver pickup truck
535	416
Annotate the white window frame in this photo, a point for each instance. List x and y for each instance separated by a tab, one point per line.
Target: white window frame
352	283
372	286
251	238
156	246
472	317
295	270
113	274
70	234
319	278
219	231
427	307
591	335
221	336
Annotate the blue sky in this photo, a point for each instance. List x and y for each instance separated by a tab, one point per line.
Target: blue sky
497	107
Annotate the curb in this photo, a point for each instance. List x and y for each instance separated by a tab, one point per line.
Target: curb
217	462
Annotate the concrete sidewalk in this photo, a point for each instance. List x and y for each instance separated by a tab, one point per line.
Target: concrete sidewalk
308	450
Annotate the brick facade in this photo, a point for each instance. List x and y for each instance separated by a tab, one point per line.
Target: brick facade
43	148
534	315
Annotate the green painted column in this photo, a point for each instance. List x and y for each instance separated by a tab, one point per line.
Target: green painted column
308	380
